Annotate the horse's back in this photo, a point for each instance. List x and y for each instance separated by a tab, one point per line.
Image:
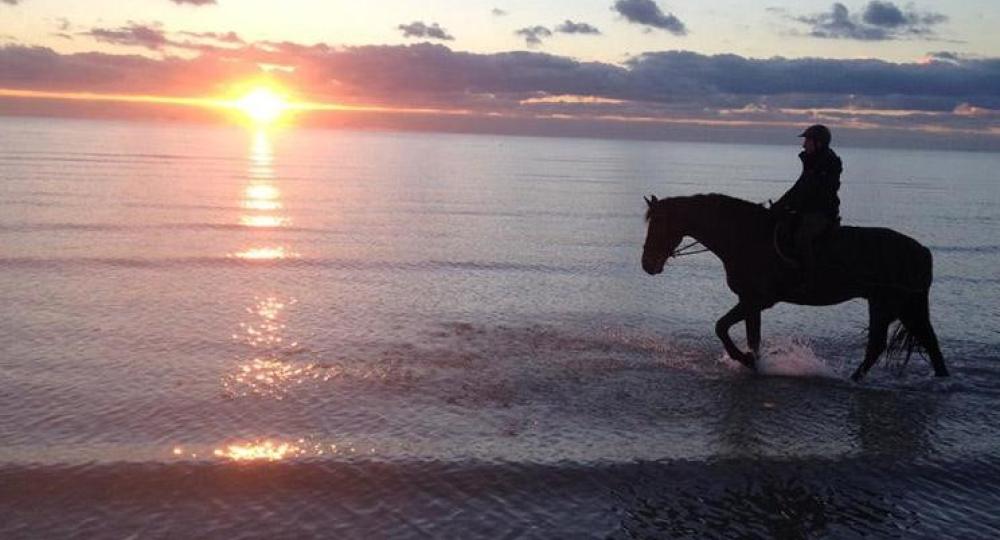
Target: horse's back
878	255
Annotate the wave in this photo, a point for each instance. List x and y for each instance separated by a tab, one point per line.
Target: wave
965	249
61	263
110	157
724	498
114	227
945	278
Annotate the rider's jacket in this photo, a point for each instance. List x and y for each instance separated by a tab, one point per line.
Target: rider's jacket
816	189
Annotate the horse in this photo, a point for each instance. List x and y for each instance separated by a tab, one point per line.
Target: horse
892	271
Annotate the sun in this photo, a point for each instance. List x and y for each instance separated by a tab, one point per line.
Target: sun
262	105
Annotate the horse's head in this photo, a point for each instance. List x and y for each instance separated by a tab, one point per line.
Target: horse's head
662	236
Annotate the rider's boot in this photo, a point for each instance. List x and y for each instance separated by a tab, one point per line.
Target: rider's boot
808	271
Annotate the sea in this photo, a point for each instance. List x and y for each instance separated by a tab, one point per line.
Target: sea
225	332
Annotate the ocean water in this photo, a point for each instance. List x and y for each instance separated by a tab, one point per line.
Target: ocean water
214	332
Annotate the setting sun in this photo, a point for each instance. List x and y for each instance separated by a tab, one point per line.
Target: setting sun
262	105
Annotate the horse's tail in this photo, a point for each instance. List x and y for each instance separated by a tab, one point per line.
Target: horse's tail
914	315
902	345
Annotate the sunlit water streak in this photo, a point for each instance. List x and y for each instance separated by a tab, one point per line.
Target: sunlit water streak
336	334
262	199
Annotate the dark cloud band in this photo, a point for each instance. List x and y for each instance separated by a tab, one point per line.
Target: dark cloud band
667	77
949	89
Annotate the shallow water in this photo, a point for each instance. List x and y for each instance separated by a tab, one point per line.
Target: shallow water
209	332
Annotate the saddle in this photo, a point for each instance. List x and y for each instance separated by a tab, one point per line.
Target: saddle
784	238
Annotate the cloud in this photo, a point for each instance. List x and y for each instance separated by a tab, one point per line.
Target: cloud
11	2
964	109
878	21
134	34
884	14
497	12
154	37
668	86
945	56
194	2
936	85
221	37
533	34
430	73
40	68
570	27
646	12
421	30
887	14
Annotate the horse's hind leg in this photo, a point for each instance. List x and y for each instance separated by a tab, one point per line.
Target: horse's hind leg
879	317
916	318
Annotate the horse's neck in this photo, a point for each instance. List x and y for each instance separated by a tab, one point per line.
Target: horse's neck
706	224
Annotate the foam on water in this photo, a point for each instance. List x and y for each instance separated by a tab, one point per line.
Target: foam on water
792	357
787	357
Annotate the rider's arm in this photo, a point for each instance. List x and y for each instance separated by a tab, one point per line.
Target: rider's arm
790	200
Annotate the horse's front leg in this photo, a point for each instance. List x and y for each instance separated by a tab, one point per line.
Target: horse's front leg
735	315
753	332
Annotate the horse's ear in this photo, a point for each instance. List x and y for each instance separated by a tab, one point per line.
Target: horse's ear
650	201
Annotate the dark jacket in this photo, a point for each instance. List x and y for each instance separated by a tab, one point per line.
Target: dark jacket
816	188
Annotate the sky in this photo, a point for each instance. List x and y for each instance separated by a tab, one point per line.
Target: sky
927	70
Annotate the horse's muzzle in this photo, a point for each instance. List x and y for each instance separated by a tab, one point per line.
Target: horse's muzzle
653	265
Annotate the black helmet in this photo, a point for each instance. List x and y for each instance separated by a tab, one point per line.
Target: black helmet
818	133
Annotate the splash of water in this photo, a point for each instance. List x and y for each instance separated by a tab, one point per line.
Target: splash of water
788	357
791	357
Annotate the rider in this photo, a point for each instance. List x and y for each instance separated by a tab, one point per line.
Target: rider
814	196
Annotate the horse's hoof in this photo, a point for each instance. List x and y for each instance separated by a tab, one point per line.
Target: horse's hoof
856	377
749	360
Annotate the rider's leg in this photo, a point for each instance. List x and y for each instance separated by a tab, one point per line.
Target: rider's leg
811	227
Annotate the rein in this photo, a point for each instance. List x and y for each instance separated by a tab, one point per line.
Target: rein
688	249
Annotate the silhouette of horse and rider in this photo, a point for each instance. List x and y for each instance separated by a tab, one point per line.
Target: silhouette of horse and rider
797	252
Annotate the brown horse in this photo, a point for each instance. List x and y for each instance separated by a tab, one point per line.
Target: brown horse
890	270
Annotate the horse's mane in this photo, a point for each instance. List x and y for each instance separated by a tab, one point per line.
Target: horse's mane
724	204
732	205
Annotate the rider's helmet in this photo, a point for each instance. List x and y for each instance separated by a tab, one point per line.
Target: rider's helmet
818	133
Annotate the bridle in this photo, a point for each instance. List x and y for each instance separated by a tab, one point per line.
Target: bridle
688	249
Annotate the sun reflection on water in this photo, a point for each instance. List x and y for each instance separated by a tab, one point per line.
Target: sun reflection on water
261	204
269	370
264	222
265	254
262	200
276	449
262	192
270	307
259	451
267	449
